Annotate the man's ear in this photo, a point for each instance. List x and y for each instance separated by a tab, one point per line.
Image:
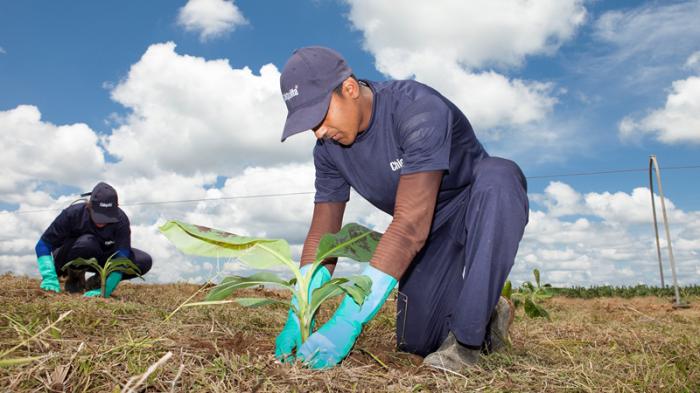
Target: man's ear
351	88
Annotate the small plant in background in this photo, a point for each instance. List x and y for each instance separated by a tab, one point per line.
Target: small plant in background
353	241
122	265
530	295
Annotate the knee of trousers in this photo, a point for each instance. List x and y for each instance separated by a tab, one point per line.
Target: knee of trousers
418	331
143	260
418	346
86	246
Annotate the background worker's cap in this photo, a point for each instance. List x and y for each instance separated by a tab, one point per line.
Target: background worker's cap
307	82
104	204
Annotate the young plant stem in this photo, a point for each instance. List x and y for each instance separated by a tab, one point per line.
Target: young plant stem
302	295
103	279
305	305
305	327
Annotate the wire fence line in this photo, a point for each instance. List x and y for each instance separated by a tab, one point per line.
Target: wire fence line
611	171
288	194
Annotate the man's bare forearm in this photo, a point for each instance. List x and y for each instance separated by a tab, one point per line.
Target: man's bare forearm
327	218
413	215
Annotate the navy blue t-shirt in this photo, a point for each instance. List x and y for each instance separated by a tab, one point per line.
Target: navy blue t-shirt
413	129
74	221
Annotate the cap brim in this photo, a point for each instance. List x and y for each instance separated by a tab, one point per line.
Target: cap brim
103	217
306	118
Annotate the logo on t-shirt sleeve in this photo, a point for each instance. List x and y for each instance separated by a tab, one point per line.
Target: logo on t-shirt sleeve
396	164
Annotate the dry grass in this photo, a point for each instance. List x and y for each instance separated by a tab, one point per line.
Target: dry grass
638	344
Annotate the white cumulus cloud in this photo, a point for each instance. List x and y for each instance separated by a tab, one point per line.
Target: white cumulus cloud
561	200
634	208
190	114
210	18
35	151
677	122
603	238
452	45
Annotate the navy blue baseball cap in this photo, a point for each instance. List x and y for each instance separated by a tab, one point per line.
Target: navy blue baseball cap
104	204
307	82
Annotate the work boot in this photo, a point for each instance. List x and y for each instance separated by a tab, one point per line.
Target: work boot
452	356
76	281
93	282
501	319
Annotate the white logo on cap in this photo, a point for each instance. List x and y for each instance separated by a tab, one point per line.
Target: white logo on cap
102	204
293	92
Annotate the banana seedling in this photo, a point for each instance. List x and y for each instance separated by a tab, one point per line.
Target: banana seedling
353	241
530	296
122	265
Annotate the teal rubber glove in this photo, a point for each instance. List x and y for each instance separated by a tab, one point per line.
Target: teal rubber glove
110	284
332	342
290	336
47	269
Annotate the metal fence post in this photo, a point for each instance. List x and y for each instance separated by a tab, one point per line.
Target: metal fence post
653	162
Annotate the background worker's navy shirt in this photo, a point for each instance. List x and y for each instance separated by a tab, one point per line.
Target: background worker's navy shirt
413	129
75	221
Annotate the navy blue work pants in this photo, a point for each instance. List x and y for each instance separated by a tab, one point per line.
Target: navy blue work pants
454	282
88	246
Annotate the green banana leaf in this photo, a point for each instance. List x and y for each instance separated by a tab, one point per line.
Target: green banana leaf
81	262
533	310
258	301
543	293
243	301
124	265
527	287
536	273
352	241
357	287
233	283
203	241
507	291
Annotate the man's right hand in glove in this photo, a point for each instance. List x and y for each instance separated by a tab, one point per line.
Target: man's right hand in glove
47	269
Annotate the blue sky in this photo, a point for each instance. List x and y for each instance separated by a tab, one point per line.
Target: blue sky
560	87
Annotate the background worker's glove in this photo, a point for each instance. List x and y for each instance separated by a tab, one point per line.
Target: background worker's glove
110	283
332	342
47	269
290	337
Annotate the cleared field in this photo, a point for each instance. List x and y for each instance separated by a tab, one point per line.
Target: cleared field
607	344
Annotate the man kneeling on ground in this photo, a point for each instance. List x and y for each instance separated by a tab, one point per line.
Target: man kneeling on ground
96	229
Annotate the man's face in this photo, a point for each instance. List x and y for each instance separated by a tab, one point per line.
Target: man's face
93	221
96	224
342	121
